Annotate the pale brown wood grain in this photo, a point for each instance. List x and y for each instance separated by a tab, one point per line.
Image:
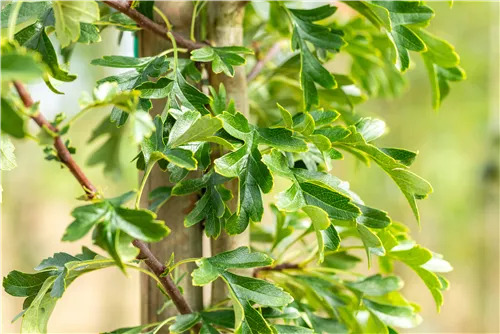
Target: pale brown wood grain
184	242
225	28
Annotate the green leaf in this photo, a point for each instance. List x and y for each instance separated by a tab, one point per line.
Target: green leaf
370	128
324	117
108	154
130	330
109	93
7	158
243	290
412	186
188	96
320	222
115	226
18	63
155	90
36	316
69	14
441	62
223	58
403	156
143	70
377	285
425	264
35	37
158	197
122	62
89	34
154	149
210	208
192	127
44	288
184	322
404	40
331	238
244	163
256	290
210	268
320	36
392	315
20	284
377	15
309	189
288	329
142	126
311	70
371	241
27	11
12	122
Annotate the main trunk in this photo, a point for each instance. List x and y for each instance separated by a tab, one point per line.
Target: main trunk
225	28
183	242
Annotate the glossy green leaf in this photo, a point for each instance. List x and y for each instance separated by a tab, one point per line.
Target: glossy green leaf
245	163
412	186
115	224
210	208
223	59
44	288
184	322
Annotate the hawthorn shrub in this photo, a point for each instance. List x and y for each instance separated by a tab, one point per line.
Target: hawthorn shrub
303	117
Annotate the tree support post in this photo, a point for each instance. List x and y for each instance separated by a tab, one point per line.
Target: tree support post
184	242
225	28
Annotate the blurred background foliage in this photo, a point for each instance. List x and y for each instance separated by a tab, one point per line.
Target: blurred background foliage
459	155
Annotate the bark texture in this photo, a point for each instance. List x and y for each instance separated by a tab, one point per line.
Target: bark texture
225	28
184	242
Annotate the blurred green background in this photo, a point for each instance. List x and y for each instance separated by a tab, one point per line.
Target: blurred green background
459	150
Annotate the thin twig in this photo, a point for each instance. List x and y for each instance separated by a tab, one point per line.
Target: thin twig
62	150
259	65
146	23
279	267
145	254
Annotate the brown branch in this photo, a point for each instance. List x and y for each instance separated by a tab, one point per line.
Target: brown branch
145	254
146	23
279	267
259	65
62	150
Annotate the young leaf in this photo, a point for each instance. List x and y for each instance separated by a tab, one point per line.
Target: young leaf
245	163
243	290
69	14
412	186
311	70
210	208
44	288
223	58
187	95
309	190
398	316
184	322
115	226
